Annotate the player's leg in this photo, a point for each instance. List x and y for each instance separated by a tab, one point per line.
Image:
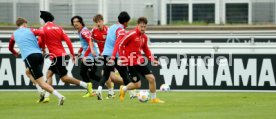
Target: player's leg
110	86
107	68
29	75
84	72
51	90
116	78
144	71
106	74
123	73
134	84
60	68
35	64
39	89
49	77
67	79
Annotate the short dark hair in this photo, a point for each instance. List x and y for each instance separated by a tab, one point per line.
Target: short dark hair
46	16
123	17
142	20
20	21
79	18
97	18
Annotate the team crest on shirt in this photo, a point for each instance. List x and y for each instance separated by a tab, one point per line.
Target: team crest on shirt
137	39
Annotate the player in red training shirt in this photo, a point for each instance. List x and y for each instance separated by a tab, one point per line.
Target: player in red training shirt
53	37
130	52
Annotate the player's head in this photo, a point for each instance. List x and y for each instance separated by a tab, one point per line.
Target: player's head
46	16
142	24
21	22
77	22
98	20
124	18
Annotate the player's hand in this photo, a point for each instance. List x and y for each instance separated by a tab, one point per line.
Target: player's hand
17	54
119	62
43	52
84	59
111	61
155	63
93	53
73	58
79	54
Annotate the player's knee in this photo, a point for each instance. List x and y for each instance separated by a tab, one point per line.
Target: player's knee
151	78
64	78
135	79
27	72
43	85
138	85
49	76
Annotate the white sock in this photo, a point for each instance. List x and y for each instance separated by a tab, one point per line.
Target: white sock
57	94
100	88
125	88
110	91
131	93
47	94
38	88
83	84
153	95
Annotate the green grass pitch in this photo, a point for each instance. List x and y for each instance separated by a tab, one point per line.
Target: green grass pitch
179	105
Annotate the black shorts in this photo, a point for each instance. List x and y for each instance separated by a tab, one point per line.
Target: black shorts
59	64
35	64
106	59
136	70
111	67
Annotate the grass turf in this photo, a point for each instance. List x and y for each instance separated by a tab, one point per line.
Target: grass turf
179	105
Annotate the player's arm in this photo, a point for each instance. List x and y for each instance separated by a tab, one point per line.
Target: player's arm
120	33
124	41
40	34
11	47
37	32
69	44
41	44
90	49
147	52
79	51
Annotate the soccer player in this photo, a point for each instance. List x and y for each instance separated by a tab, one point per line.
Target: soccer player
130	51
87	50
99	33
31	54
115	32
53	37
28	73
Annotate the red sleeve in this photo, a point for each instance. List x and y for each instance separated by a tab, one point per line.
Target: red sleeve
87	36
87	52
37	32
68	42
80	50
11	45
41	42
125	41
92	32
120	33
147	50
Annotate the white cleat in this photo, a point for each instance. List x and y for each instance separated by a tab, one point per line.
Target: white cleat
61	101
99	96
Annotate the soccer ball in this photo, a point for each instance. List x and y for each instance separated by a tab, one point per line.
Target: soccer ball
164	88
143	96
